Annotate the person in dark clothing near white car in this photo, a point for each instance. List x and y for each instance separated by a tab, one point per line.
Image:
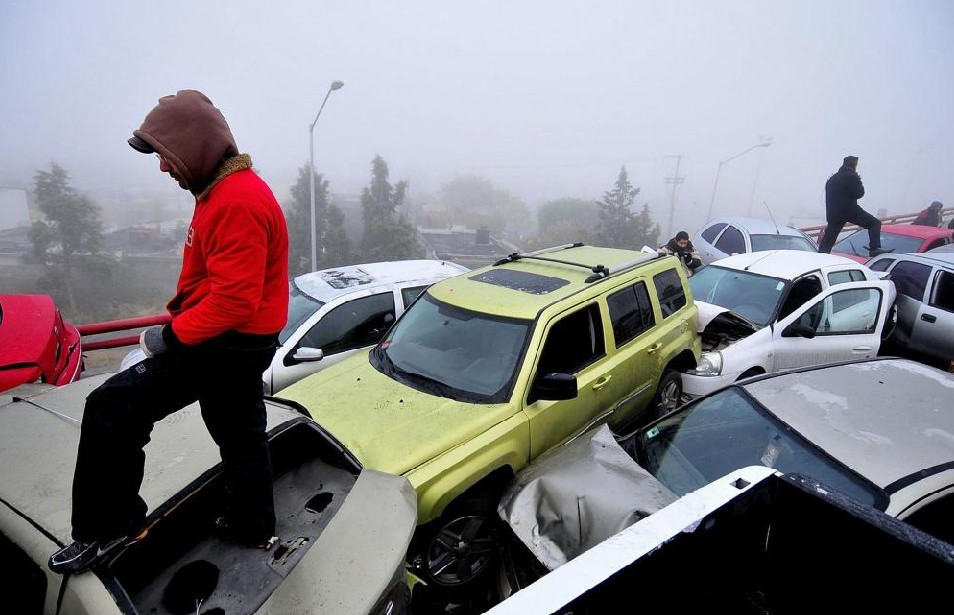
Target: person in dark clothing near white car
231	302
842	191
681	246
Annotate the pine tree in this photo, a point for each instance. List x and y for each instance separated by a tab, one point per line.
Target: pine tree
71	226
619	227
387	233
332	245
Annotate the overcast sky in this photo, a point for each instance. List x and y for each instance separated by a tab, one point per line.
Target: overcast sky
544	98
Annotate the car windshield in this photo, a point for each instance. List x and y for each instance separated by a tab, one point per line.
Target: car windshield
750	295
300	308
857	244
729	430
782	242
453	352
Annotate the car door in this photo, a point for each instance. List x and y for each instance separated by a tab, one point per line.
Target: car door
933	323
339	329
844	322
574	343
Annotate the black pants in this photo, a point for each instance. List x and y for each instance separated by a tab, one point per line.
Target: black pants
225	376
856	216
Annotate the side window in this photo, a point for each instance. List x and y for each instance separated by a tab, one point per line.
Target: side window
669	289
409	294
573	342
840	277
802	290
935	518
357	323
731	241
944	291
937	243
630	312
844	312
911	278
710	233
881	265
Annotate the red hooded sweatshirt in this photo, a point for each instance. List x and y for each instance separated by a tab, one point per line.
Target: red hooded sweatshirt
235	259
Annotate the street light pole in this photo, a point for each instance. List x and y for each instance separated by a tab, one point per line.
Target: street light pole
764	143
335	85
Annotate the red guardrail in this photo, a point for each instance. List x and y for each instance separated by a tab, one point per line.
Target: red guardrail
815	231
113	326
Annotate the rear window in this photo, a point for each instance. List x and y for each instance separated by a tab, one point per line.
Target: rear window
669	289
731	241
710	233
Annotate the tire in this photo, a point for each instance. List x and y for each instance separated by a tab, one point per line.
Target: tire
668	393
456	553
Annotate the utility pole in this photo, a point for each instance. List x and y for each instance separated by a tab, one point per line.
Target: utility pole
675	180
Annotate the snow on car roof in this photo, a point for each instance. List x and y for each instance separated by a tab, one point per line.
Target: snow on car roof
328	284
787	264
887	419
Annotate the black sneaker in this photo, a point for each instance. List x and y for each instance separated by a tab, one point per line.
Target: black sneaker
877	251
80	556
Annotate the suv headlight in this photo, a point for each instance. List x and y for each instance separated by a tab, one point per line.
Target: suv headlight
710	364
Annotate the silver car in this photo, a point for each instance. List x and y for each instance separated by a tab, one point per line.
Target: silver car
343	530
728	235
925	284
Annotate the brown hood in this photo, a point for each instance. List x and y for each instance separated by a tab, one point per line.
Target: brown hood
191	134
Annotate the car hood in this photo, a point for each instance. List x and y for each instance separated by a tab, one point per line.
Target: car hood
722	318
388	425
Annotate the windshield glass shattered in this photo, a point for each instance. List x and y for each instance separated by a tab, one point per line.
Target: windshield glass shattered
452	352
750	295
729	430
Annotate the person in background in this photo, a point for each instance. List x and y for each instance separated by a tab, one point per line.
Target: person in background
683	248
931	216
842	191
231	302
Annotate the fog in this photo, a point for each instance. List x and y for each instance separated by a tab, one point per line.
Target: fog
545	99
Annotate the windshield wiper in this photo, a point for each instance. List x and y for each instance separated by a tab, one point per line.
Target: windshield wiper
382	360
426	383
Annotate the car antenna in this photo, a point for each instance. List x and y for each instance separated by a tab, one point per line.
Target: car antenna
777	232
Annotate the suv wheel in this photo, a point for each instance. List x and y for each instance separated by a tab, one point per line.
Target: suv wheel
459	548
668	393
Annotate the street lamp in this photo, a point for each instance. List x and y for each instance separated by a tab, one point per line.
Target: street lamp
335	85
764	143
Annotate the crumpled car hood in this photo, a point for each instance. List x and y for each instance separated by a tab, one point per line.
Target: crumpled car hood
578	495
720	317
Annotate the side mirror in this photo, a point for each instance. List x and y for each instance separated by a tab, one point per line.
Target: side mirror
305	355
798	330
555	387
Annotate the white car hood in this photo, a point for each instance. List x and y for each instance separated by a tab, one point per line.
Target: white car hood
708	312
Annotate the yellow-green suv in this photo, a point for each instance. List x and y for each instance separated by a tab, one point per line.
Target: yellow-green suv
490	369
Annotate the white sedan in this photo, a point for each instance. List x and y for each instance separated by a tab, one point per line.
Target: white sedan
764	312
728	235
334	313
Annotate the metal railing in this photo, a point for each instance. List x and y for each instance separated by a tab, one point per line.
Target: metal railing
815	231
116	326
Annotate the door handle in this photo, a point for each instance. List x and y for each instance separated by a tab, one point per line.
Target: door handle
601	382
928	318
654	348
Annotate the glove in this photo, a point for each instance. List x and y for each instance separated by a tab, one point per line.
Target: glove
152	340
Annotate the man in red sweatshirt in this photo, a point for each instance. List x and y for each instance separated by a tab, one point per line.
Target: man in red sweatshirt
230	304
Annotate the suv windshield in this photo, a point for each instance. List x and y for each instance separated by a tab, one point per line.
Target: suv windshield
750	295
300	307
781	242
445	350
730	430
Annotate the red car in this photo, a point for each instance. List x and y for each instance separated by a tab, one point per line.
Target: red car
36	345
904	238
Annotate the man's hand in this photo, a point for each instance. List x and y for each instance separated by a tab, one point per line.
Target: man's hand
157	339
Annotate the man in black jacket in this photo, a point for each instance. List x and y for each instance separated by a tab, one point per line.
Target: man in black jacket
842	191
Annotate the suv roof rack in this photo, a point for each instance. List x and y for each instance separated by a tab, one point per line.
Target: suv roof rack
599	271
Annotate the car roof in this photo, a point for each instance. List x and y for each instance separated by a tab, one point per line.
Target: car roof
40	438
914	230
887	419
786	264
928	258
521	288
758	226
328	284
